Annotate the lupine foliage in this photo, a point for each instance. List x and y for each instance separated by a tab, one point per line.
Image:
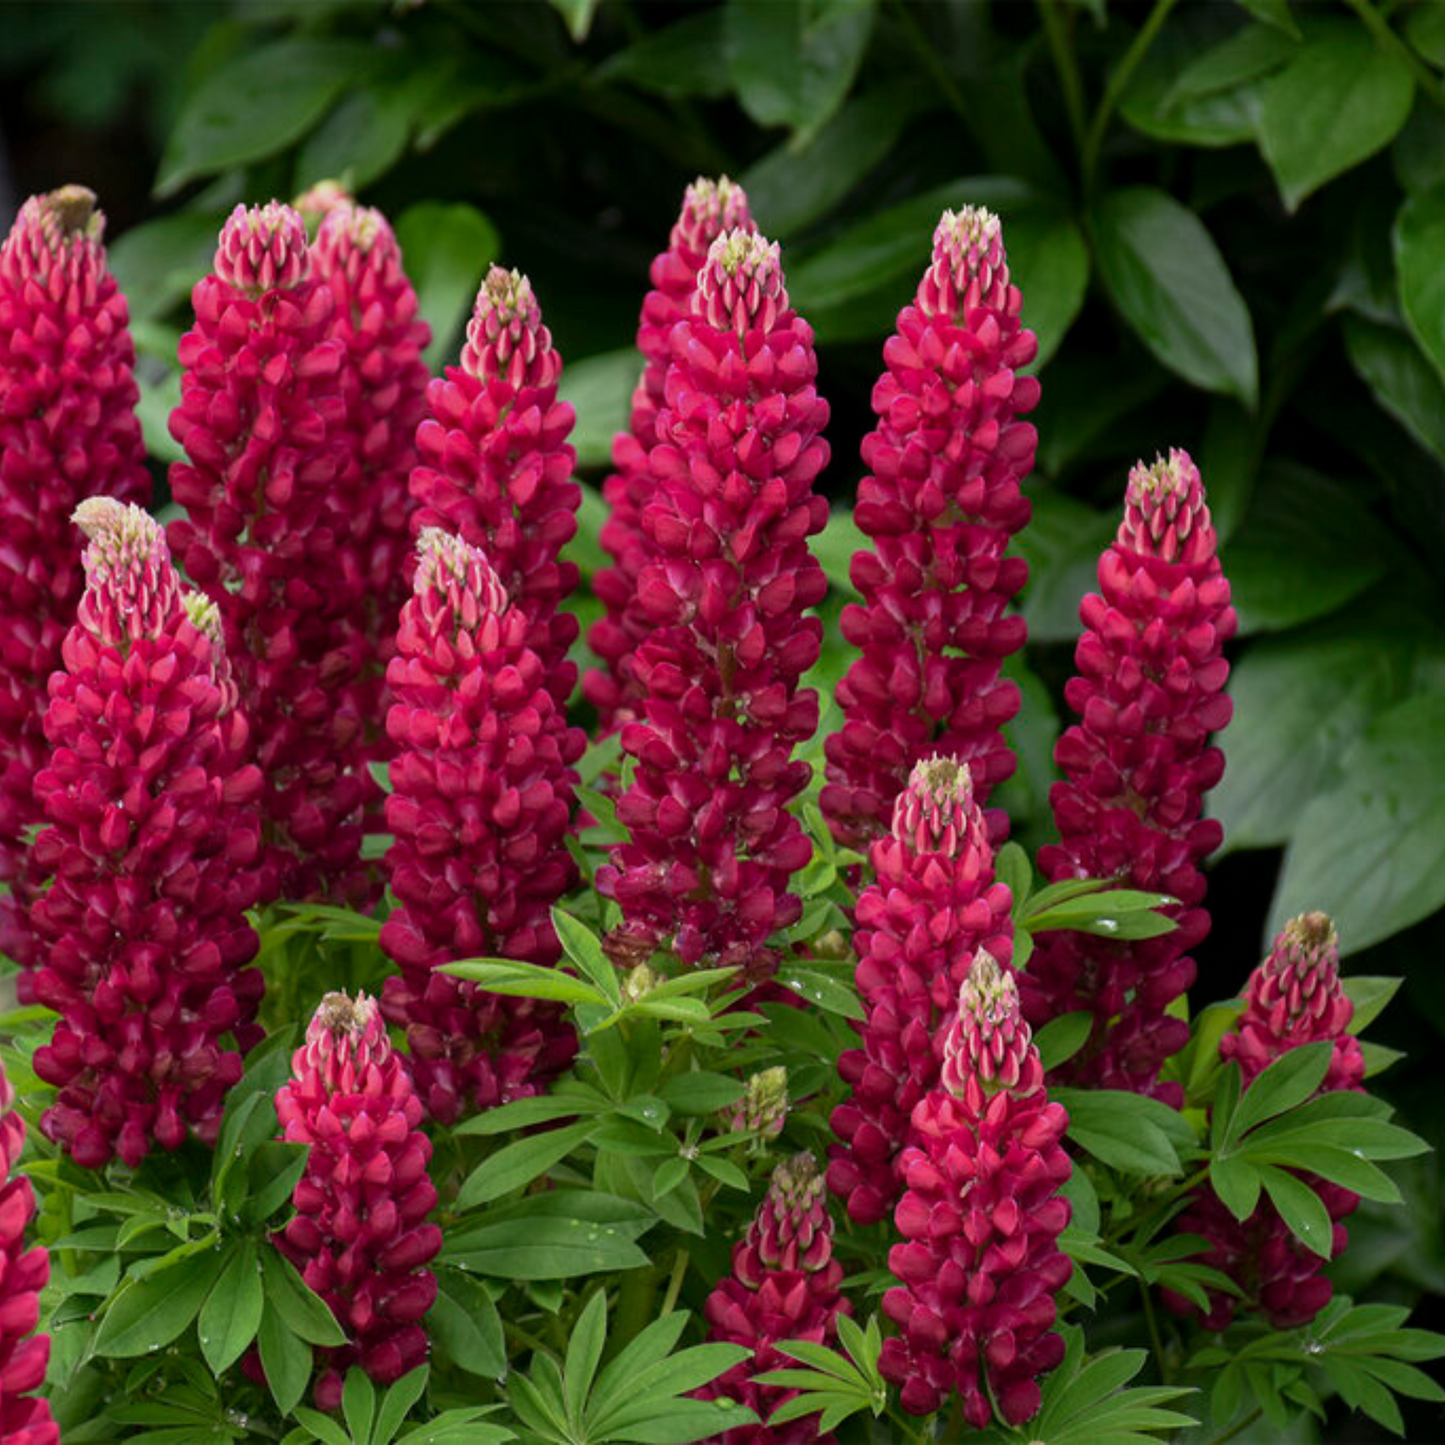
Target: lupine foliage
772	917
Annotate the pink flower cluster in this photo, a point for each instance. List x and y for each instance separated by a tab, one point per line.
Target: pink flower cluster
713	845
68	431
941	503
153	844
496	467
482	779
360	1236
1149	692
263	419
1292	999
708	209
980	1263
25	1418
783	1286
934	906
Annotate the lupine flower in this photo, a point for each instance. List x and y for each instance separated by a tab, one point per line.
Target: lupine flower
1292	999
360	1236
941	503
708	209
496	466
1149	692
713	846
763	1108
24	1417
384	381
482	793
783	1286
263	420
980	1264
934	907
153	844
68	431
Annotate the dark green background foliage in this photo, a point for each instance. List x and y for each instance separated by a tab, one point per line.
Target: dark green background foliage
1228	222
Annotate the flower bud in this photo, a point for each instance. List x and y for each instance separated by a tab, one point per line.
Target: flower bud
763	1108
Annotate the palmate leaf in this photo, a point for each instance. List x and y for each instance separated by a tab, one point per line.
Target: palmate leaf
832	1387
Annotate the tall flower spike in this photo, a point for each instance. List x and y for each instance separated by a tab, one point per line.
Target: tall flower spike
934	908
153	845
360	1236
1292	999
24	1417
383	381
713	846
784	1286
68	431
263	420
482	785
941	502
980	1263
1149	692
708	209
497	469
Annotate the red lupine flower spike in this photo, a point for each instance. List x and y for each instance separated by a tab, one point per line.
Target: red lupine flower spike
941	503
934	907
1137	765
25	1417
360	1236
784	1286
383	380
154	845
980	1264
1292	999
713	845
496	467
708	209
482	785
68	431
266	534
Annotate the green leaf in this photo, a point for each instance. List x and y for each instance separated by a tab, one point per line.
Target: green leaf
578	16
399	1399
1300	1208
465	1322
1119	1129
1299	702
1246	55
1420	263
358	1404
600	389
543	1248
1237	1184
519	1163
1061	1038
239	113
1062	546
821	989
304	1312
1285	1084
526	980
231	1314
286	1359
149	1313
1273	12
1166	276
157	264
1403	382
584	1353
323	1427
1335	104
1122	913
701	1092
362	138
447	246
793	61
1369	997
525	1113
583	947
679	59
275	1168
1049	261
1373	845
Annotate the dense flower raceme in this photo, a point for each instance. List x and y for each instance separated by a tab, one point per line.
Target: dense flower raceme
384	381
153	844
482	784
68	431
24	1418
496	466
263	419
1149	692
713	846
941	502
708	209
1293	998
980	1263
783	1286
934	905
360	1236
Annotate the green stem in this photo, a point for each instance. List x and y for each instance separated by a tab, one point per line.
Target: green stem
1237	1430
1067	65
930	60
634	1301
1118	83
674	1285
1156	1340
1384	36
